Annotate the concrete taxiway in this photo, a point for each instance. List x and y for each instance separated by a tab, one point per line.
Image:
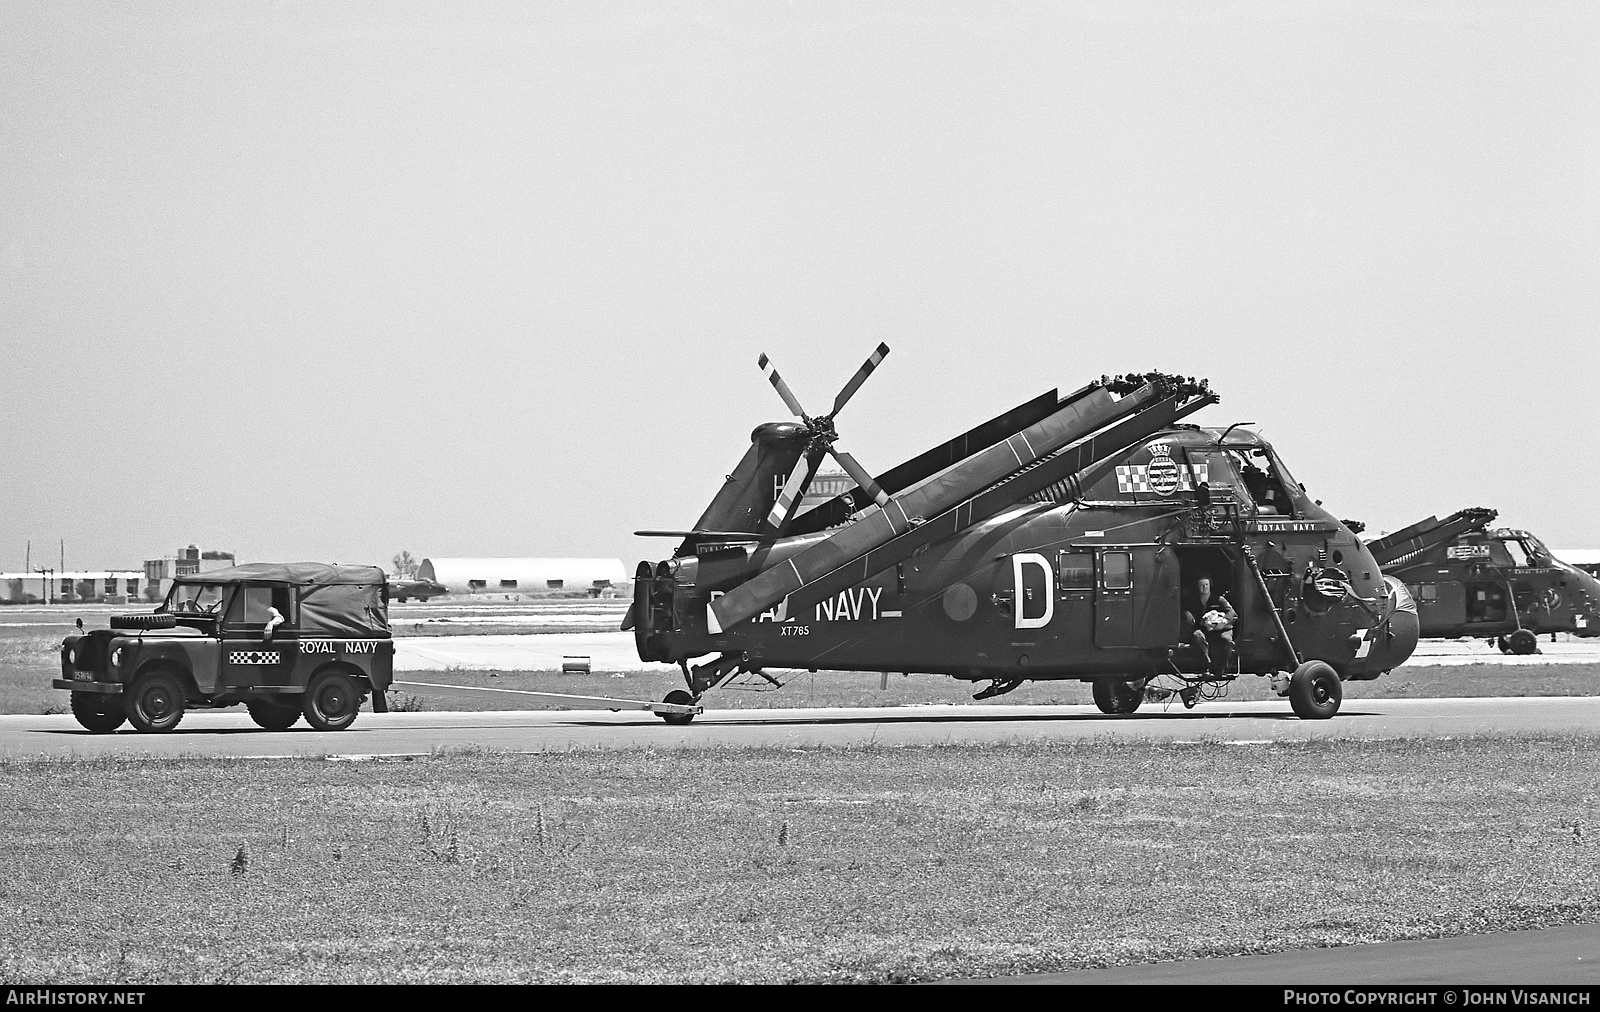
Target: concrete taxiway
1546	959
230	733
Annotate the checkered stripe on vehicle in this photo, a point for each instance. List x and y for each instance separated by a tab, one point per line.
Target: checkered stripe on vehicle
254	657
1136	477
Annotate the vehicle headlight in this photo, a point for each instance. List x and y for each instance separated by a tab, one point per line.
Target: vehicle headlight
116	658
72	656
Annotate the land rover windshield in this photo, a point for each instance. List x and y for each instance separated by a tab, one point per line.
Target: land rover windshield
194	599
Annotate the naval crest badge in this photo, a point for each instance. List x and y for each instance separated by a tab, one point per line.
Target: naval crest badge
1163	470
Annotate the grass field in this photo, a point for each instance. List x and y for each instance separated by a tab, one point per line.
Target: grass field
815	865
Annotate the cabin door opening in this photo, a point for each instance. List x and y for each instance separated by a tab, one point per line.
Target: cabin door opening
1226	578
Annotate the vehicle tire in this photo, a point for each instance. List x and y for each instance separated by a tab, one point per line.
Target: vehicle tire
271	714
1116	696
155	702
1523	641
682	698
152	620
1315	691
332	701
98	711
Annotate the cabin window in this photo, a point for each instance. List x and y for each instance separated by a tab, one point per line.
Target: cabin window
554	584
1077	570
477	584
1116	571
508	585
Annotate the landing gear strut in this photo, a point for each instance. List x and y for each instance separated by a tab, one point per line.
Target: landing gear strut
998	687
701	678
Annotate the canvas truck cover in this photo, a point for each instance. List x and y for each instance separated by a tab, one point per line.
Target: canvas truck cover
334	600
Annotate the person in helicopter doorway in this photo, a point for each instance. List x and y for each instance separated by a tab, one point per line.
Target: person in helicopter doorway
1211	617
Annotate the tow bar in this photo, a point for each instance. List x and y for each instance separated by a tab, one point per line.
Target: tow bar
594	702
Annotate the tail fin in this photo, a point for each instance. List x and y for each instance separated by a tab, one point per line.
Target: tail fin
746	497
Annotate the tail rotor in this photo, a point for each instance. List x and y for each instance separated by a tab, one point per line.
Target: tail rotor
822	438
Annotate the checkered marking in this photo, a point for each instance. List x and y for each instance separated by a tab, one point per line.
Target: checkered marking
1136	477
254	657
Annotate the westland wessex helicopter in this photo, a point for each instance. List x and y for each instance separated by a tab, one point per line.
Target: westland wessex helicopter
1501	584
1063	539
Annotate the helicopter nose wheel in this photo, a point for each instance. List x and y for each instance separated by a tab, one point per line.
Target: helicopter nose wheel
1315	691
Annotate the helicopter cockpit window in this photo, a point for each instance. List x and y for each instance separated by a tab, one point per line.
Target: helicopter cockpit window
1519	555
194	598
1222	475
1263	480
1538	554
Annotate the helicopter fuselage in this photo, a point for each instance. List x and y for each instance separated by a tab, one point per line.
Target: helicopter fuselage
1091	580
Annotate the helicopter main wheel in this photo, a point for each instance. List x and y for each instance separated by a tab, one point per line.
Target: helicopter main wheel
1315	691
1115	696
682	698
1523	641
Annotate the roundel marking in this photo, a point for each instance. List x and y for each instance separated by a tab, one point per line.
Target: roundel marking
960	602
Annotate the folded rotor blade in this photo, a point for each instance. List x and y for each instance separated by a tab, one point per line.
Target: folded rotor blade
1426	533
859	378
1069	423
783	506
838	509
779	385
860	475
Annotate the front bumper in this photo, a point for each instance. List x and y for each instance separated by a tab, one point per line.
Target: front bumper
85	685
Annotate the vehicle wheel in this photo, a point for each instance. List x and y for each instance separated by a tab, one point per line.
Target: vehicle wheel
682	698
1523	641
98	711
332	701
155	702
1315	691
272	715
1116	696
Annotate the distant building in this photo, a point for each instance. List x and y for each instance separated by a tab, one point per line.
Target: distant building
515	578
825	485
158	573
101	587
110	586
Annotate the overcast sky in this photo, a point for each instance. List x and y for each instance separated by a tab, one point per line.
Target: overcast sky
318	281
